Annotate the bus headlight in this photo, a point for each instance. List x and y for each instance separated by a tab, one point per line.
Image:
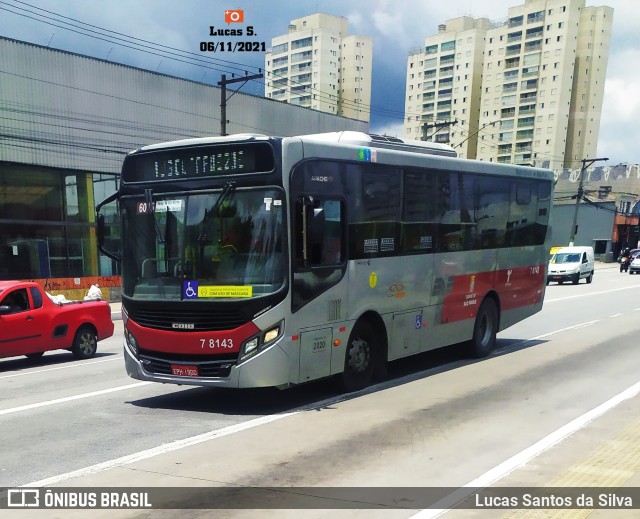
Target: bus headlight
272	334
131	343
256	344
251	346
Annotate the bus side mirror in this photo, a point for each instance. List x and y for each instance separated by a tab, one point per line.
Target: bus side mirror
101	227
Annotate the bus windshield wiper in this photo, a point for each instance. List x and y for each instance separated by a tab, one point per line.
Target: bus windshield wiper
148	197
227	191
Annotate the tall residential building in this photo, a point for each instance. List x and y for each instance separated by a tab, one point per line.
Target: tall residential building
444	79
541	87
318	65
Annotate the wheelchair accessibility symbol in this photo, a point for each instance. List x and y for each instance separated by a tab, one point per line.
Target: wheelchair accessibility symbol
190	290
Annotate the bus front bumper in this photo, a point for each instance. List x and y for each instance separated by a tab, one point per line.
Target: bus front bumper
269	368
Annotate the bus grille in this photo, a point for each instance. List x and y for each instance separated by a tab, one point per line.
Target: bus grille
202	319
213	367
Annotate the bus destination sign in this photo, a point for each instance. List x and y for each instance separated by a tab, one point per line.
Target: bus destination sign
198	162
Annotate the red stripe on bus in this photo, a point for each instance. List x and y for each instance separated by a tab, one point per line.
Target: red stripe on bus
182	342
516	288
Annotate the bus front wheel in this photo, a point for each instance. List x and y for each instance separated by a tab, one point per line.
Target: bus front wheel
485	329
360	358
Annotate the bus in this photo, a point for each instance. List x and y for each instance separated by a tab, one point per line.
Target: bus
255	261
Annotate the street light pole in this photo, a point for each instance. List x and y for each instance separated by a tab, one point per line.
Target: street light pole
223	96
574	228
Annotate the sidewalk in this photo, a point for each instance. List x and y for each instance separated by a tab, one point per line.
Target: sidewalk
116	311
601	265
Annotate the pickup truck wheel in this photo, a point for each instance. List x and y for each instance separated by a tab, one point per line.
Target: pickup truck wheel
85	343
34	356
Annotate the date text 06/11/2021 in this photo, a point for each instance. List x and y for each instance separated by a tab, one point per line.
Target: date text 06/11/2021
233	46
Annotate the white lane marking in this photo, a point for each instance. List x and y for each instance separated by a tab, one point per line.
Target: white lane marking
523	457
71	398
590	294
72	365
162	449
537	337
588	323
615	315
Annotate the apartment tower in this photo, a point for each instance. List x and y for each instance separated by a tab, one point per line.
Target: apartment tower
319	65
540	87
444	79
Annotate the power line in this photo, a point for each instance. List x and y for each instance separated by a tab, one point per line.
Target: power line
172	53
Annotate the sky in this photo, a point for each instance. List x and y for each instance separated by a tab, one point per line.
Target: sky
396	27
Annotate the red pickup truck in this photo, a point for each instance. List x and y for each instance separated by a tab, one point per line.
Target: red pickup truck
31	323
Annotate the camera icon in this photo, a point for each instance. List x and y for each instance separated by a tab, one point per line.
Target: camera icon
234	16
23	498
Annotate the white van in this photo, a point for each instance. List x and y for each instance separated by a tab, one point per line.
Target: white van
571	264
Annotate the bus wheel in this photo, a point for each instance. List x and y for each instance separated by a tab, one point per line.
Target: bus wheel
360	358
485	329
85	343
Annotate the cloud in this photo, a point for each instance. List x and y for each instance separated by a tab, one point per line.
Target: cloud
391	130
621	108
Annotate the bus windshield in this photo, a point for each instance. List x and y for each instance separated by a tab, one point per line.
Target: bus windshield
203	246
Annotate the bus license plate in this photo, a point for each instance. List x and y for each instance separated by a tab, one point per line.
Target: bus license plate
184	371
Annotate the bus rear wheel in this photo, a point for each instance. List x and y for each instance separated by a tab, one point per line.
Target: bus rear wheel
360	358
485	329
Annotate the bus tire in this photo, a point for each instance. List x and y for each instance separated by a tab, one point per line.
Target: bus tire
85	343
360	358
485	329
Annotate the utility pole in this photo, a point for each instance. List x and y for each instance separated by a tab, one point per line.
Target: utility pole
223	96
437	125
574	228
491	123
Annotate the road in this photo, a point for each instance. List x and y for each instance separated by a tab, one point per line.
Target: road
538	406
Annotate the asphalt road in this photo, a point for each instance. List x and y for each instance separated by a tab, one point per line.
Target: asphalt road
440	421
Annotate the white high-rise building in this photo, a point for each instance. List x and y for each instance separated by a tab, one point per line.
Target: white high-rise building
443	85
318	65
540	89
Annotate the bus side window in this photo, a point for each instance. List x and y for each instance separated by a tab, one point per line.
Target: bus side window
333	236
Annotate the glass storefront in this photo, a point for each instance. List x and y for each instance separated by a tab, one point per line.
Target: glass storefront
47	217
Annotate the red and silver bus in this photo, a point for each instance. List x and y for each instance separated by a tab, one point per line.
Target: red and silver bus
252	261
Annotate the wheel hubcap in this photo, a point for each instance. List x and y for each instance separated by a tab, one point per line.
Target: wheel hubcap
359	355
87	343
